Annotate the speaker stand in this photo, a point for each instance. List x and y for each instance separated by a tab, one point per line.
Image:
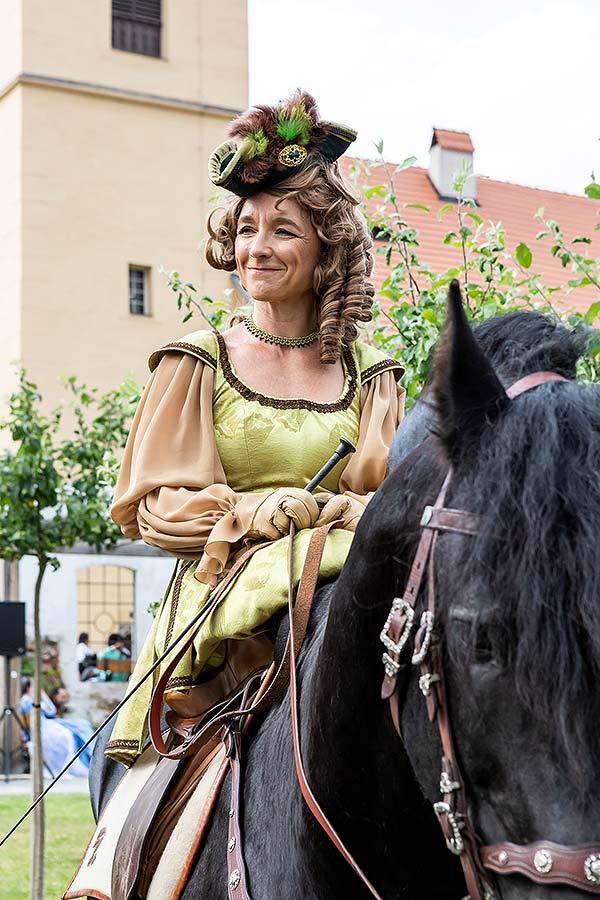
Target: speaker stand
6	716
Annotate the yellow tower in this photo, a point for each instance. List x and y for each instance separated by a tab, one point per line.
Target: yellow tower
108	112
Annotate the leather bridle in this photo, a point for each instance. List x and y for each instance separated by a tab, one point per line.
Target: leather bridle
544	862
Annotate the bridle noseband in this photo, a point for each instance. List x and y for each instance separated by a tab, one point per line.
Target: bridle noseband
544	861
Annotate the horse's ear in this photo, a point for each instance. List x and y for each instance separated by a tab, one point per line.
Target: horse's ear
467	390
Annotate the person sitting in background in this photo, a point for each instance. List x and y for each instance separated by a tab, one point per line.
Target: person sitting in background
116	650
85	657
59	698
58	742
81	729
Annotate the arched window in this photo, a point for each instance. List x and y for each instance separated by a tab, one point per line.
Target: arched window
105	603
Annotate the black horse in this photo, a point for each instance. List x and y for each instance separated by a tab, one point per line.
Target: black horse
518	660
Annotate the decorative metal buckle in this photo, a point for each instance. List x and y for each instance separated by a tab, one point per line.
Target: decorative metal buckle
426	623
399	605
425	682
455	844
447	785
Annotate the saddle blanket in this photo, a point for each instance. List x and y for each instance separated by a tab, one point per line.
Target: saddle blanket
94	875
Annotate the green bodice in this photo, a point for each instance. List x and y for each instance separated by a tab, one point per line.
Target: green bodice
265	442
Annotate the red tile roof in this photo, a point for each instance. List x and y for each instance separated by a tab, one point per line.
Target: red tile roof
452	140
513	205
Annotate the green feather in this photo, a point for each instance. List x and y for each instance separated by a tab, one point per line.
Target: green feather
254	145
294	123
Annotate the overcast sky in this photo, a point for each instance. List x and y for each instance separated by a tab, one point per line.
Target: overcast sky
522	76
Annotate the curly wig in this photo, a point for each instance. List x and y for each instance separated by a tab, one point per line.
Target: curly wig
341	279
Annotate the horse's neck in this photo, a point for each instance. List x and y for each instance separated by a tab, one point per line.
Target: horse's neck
355	761
347	675
346	725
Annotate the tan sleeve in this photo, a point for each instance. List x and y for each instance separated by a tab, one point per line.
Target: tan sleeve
172	490
382	409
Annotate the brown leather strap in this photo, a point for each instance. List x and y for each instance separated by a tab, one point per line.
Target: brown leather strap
156	705
305	787
547	863
530	381
299	615
445	519
236	867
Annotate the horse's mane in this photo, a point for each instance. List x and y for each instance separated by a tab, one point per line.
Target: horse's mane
535	560
525	341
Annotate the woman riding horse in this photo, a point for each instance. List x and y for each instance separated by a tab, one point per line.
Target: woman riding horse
232	426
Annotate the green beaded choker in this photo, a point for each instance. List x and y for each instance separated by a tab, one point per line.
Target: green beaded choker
268	338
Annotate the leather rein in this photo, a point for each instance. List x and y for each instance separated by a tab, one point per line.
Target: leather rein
544	862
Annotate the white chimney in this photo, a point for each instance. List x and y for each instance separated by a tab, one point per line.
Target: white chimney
450	151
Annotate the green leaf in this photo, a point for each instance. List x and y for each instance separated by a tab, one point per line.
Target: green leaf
379	146
377	190
523	255
475	218
592	312
406	163
443	209
416	206
593	191
581	239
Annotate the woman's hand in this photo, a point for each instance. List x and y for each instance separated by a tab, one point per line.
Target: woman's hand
273	517
339	506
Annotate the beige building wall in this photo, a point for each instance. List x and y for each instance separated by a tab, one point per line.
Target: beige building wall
108	152
11	41
10	236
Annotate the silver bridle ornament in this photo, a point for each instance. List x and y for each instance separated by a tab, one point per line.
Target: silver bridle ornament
400	605
591	867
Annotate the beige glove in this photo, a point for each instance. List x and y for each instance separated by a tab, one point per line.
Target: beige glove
285	505
339	506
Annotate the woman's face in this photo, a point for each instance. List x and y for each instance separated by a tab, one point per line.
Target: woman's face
276	249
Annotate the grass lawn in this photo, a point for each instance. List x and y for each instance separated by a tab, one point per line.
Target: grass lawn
69	825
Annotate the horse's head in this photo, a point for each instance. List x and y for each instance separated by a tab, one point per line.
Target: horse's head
517	608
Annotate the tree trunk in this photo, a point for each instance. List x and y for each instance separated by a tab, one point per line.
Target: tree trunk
37	769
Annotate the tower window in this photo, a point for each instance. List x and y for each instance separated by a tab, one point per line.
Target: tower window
136	26
139	295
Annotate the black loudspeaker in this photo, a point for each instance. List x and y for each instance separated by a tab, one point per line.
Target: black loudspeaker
12	629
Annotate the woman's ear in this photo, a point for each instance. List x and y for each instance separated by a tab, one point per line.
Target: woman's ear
467	391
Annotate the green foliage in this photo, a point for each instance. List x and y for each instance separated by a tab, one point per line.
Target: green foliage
215	313
56	491
411	308
592	190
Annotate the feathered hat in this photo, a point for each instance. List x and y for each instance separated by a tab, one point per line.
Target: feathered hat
270	143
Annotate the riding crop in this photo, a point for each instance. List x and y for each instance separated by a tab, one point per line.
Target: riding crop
343	449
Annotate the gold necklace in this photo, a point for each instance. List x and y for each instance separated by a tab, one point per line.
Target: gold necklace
269	338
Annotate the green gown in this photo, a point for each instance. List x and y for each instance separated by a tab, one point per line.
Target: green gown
259	444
